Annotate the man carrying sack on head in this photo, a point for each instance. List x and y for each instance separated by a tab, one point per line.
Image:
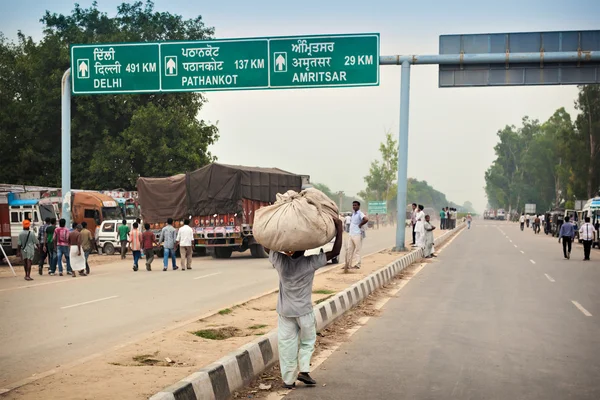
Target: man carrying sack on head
297	331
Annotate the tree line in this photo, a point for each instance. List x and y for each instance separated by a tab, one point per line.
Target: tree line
114	138
549	164
381	183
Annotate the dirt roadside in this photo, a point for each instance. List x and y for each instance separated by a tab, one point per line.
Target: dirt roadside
138	370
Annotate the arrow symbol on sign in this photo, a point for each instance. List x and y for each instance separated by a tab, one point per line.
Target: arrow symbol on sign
280	62
171	65
83	68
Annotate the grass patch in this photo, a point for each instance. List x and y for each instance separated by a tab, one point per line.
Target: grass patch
259	334
226	311
324	299
255	327
324	291
217	334
146	359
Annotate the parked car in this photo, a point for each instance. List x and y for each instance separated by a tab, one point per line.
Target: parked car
108	235
327	247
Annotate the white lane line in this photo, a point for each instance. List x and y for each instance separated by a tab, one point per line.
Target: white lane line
88	302
533	262
522	252
551	279
206	276
510	240
59	280
515	246
583	310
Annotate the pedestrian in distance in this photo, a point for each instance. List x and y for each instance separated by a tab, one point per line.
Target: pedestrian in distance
148	242
522	221
586	233
50	247
42	245
536	224
87	244
419	227
185	241
527	220
469	220
123	234
139	222
135	245
566	233
428	250
26	247
76	255
443	219
358	220
347	222
168	237
377	220
61	241
413	222
296	333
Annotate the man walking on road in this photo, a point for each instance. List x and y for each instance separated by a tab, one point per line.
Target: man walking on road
26	248
135	245
355	240
297	332
86	244
185	241
536	224
522	221
63	247
50	248
413	222
148	242
168	237
443	219
586	233
123	233
566	233
42	246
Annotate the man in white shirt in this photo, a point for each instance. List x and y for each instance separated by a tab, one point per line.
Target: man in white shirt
185	239
586	233
347	222
358	220
522	221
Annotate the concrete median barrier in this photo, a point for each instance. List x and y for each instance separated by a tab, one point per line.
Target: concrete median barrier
237	369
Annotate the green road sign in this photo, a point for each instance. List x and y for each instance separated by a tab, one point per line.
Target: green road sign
231	64
324	61
115	68
378	207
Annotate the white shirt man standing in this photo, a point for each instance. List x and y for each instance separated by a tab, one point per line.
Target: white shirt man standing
358	220
586	233
185	239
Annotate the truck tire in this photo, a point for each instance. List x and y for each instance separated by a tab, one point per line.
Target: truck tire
109	249
258	251
223	252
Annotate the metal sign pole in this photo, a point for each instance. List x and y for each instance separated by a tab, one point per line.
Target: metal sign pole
66	146
403	157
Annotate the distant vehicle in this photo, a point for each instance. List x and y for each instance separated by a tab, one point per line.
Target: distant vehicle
327	247
501	214
108	235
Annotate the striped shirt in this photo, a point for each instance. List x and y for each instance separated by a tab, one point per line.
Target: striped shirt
135	239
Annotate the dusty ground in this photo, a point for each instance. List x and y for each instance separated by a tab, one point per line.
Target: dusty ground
138	370
93	260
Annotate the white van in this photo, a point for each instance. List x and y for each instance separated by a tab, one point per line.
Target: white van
108	235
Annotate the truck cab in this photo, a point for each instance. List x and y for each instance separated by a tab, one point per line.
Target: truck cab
93	208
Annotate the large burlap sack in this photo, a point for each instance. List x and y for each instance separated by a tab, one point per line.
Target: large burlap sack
296	221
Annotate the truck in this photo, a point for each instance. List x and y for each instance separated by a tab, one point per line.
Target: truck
93	208
220	200
500	214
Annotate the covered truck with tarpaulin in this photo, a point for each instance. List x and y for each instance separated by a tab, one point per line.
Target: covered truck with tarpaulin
219	199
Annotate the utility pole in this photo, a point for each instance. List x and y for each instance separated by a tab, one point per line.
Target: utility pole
341	194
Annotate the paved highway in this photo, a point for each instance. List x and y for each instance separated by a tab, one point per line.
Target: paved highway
499	315
57	320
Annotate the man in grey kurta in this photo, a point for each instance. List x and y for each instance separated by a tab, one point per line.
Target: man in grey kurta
26	247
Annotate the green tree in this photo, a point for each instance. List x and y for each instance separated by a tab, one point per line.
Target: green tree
588	124
115	138
382	173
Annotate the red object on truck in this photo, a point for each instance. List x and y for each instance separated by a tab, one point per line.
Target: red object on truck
219	199
5	238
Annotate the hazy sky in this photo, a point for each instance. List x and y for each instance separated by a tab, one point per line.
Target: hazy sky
333	134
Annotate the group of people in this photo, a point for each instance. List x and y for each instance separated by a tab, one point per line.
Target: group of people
143	244
566	234
422	231
448	218
538	222
55	243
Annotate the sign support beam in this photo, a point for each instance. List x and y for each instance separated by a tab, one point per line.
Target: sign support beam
403	157
65	123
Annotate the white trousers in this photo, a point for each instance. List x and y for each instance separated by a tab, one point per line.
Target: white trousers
353	251
297	337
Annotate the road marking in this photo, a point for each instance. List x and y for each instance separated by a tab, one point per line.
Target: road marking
515	246
551	279
67	278
510	240
88	302
206	276
583	310
522	252
533	262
